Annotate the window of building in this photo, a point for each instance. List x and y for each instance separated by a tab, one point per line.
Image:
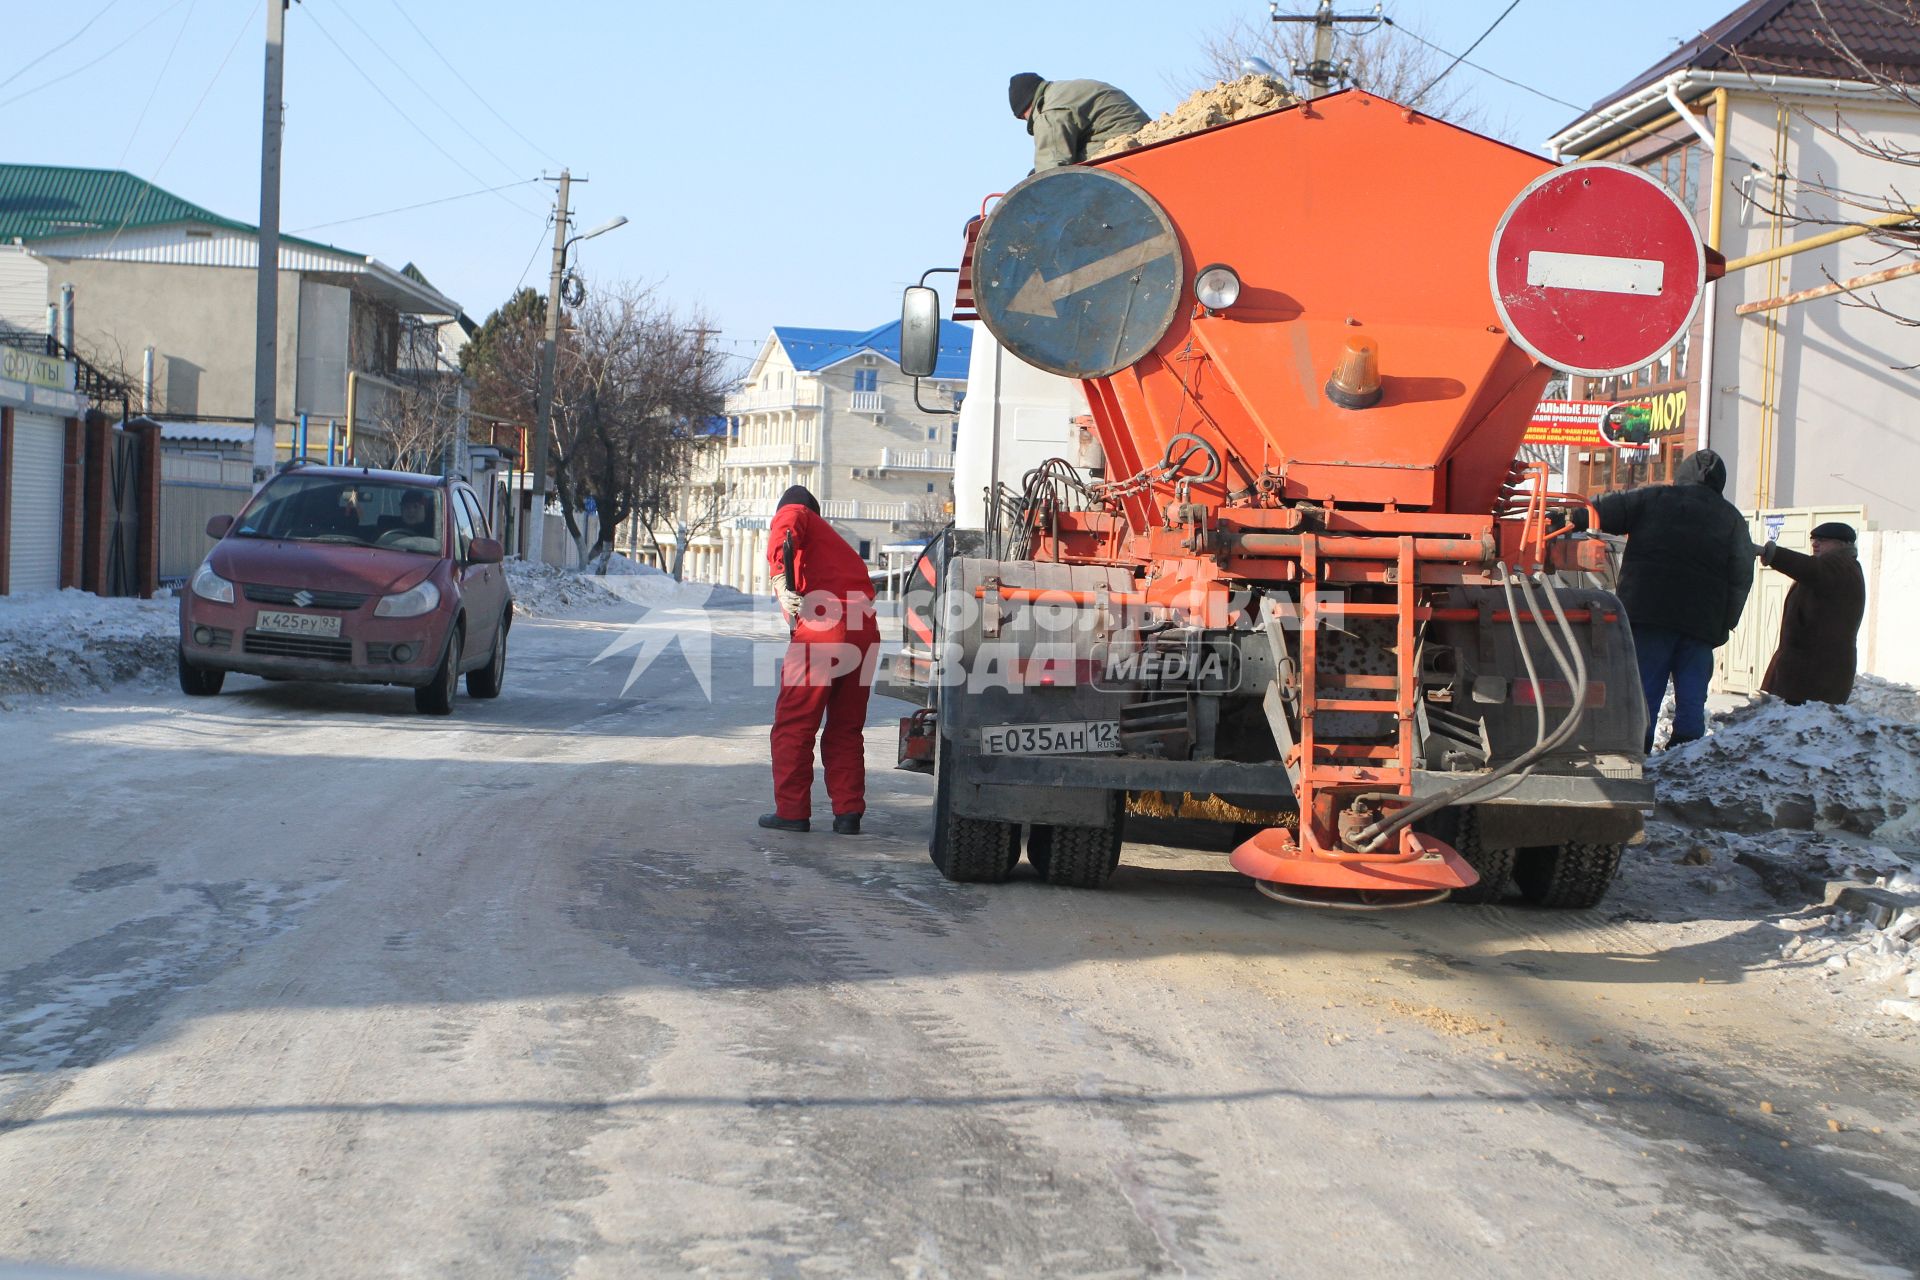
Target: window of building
929	486
866	549
866	379
933	433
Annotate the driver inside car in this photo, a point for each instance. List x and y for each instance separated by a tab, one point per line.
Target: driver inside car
415	520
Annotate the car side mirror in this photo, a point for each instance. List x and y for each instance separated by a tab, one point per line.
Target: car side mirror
485	551
217	526
919	331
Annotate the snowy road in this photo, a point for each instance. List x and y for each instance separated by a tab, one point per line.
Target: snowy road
296	983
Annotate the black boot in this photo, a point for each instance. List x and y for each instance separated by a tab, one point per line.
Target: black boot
774	822
846	824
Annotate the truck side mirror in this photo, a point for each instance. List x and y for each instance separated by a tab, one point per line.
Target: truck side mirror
919	331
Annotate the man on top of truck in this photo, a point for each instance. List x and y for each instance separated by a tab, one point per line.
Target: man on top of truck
1071	119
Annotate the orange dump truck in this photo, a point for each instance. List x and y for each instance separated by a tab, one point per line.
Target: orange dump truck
1301	582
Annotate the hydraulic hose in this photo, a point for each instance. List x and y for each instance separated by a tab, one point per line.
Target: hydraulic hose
1369	838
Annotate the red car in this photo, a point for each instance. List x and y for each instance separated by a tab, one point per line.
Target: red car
356	576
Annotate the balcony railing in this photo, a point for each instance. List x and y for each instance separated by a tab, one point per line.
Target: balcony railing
867	402
859	509
916	460
802	397
770	455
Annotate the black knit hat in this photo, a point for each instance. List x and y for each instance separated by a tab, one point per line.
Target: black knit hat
1835	530
1020	91
799	495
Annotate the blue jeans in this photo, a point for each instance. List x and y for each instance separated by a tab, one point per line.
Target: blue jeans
1664	655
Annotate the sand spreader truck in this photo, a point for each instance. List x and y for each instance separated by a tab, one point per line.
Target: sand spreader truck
1299	577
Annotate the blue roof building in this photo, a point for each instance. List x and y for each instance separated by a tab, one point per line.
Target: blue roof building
830	409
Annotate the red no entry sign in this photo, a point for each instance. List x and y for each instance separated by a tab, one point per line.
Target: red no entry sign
1596	268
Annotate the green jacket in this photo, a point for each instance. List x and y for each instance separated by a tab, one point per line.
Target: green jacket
1072	118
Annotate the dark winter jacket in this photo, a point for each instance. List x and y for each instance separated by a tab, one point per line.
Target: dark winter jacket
1073	119
1689	561
1815	660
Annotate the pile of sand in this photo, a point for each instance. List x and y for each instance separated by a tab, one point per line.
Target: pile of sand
1250	95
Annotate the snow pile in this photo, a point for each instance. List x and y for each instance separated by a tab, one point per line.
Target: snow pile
1768	766
542	589
1803	798
539	590
69	641
1225	102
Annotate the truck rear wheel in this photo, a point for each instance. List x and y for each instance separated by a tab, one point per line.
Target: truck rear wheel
1568	875
1079	857
1458	828
974	850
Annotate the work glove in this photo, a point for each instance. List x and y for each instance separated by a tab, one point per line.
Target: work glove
791	602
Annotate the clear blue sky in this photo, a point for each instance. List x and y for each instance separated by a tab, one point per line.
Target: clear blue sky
782	163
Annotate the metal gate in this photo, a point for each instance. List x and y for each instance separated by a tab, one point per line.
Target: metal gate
35	505
123	519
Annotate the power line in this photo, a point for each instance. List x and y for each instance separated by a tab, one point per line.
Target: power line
458	123
1458	58
191	116
147	106
478	96
408	208
66	76
314	17
84	28
1411	34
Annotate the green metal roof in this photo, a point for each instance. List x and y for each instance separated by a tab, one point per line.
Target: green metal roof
45	202
38	202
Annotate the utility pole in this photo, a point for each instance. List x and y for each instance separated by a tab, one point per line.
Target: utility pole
1323	73
534	548
266	341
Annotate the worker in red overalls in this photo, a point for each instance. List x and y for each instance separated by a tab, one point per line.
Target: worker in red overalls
824	589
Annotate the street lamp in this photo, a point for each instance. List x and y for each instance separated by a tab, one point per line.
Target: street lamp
533	545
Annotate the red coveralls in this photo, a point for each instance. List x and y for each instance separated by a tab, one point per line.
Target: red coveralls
828	667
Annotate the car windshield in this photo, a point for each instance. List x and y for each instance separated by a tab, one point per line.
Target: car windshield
347	510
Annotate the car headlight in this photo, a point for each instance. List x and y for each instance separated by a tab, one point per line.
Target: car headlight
209	585
1217	287
424	598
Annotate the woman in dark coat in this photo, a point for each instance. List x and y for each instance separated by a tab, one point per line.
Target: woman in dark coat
1821	621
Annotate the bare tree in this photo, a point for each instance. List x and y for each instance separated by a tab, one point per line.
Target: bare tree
1893	245
927	515
638	395
702	509
429	413
1387	58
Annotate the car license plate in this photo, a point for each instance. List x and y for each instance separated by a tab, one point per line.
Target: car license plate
1074	737
296	624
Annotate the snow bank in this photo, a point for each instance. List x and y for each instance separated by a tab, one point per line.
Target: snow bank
543	589
1815	767
70	641
1776	805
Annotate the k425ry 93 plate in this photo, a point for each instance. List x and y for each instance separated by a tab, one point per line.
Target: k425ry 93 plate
1078	272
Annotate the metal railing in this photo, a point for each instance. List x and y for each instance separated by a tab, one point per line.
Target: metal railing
916	459
802	397
770	455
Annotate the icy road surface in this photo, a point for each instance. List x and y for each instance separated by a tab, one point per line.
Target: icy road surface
294	982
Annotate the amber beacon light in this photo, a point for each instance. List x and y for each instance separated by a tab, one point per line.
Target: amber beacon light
1355	383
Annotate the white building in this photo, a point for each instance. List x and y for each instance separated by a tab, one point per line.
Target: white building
829	409
1806	402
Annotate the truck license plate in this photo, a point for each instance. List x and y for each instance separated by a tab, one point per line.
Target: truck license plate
296	624
1075	737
